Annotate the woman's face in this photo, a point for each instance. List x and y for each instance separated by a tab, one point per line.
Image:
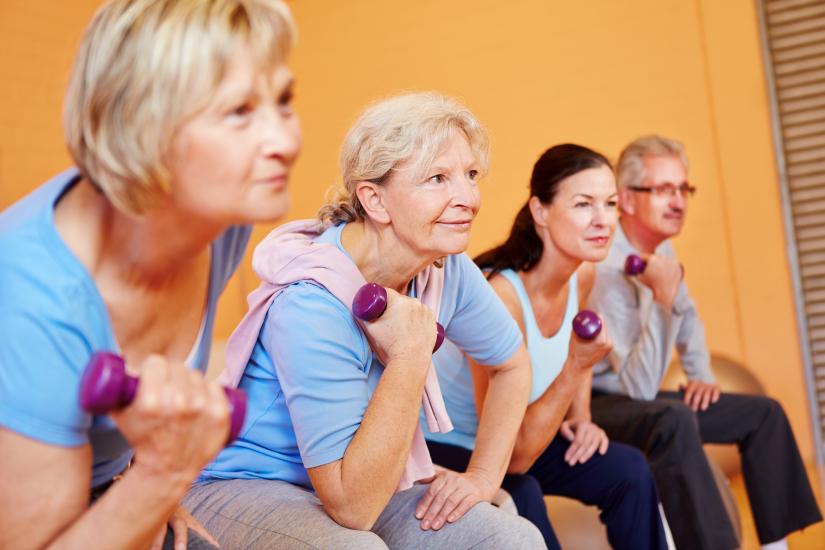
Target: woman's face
432	217
230	163
582	217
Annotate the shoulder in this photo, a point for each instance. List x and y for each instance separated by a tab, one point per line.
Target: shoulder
307	320
508	295
306	306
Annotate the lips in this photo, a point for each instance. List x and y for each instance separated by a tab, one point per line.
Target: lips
276	180
598	240
457	224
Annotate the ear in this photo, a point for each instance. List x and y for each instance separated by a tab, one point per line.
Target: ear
369	195
627	201
538	210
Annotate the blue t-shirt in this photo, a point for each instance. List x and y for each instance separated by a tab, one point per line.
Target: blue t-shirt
547	356
312	372
53	318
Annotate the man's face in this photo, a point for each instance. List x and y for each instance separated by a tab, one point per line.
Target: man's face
661	212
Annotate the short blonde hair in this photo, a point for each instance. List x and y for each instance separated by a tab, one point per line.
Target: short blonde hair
407	129
145	67
630	170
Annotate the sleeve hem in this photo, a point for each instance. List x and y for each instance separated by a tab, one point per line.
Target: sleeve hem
39	430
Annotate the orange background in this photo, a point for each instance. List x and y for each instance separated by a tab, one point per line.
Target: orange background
536	72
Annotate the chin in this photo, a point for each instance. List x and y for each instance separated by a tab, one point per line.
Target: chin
268	213
449	249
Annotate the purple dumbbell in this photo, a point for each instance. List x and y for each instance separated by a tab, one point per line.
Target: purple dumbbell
587	325
105	386
634	265
370	302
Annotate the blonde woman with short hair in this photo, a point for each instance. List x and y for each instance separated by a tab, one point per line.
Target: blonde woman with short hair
179	122
335	443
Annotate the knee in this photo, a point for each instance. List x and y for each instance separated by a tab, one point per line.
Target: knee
676	418
523	487
635	467
516	533
771	408
356	540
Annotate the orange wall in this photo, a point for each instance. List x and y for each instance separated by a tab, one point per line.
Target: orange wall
537	73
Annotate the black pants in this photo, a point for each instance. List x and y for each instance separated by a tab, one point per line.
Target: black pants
671	435
618	482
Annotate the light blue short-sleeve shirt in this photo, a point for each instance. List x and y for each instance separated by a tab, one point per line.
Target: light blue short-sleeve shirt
53	318
312	373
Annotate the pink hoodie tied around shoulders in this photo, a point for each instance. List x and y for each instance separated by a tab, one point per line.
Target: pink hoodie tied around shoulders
290	254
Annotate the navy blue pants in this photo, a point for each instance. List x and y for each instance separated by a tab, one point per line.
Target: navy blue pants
619	483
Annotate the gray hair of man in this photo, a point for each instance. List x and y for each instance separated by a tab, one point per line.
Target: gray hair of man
630	170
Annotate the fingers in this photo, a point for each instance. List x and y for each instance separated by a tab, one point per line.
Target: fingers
463	507
447	501
707	394
154	373
567	431
586	443
604	443
158	543
429	495
180	530
690	391
700	395
438	492
196	526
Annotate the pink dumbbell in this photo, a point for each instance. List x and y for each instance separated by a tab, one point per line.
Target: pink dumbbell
370	302
587	325
105	386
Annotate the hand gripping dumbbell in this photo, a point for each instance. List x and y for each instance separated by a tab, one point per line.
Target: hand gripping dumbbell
635	265
370	302
587	325
105	386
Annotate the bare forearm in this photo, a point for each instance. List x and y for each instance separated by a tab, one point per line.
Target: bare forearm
580	407
501	417
543	418
129	515
375	458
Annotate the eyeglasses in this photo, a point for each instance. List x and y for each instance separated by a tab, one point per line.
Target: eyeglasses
666	189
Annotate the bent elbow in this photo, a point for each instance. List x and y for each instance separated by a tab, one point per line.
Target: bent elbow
519	464
352	517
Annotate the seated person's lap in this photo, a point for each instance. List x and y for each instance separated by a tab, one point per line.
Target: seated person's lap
272	514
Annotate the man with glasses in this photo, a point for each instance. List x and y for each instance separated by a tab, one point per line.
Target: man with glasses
647	316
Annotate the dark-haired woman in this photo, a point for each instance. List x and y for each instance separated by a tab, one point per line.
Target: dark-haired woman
542	273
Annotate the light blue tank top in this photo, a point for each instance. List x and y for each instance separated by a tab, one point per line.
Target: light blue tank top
547	355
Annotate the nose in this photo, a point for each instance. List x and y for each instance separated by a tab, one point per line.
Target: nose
677	201
602	215
280	134
465	192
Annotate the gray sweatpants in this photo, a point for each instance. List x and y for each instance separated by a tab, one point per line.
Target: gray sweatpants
263	514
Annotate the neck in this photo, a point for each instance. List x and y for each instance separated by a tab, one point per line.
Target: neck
640	237
549	277
381	257
151	250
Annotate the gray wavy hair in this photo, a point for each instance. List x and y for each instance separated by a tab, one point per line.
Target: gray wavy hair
408	129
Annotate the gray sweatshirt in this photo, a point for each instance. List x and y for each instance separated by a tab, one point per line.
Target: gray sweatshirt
643	333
